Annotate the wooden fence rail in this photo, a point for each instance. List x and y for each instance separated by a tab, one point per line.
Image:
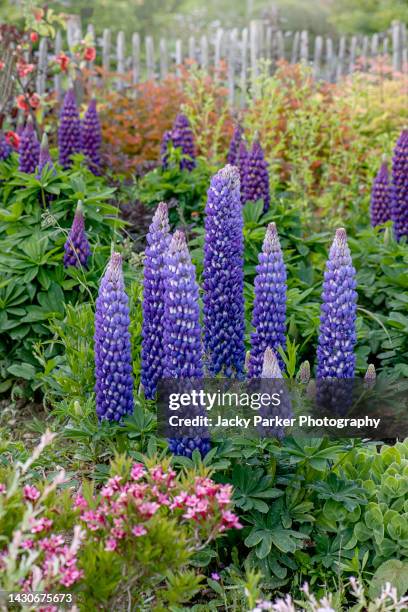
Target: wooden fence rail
241	52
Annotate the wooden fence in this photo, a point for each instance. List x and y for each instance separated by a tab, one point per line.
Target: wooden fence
241	51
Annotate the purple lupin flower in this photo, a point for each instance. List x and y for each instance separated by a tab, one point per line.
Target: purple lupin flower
255	178
399	207
5	148
269	314
337	333
69	131
381	197
91	138
182	138
77	248
223	277
158	240
181	320
29	149
113	357
233	153
183	357
45	157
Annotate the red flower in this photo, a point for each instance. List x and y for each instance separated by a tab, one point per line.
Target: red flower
2	64
34	100
24	69
34	37
63	61
13	139
89	54
22	103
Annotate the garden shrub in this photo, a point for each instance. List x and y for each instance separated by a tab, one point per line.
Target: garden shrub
132	539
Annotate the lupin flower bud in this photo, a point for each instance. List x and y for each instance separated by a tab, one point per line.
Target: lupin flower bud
158	240
182	333
29	149
269	313
223	277
337	334
270	365
255	179
113	358
77	248
45	157
91	138
303	375
381	197
399	207
182	138
69	132
272	383
233	153
370	376
5	148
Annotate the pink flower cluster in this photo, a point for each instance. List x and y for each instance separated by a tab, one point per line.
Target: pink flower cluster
56	563
125	505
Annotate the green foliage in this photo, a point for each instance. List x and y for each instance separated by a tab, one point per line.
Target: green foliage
367	16
34	286
184	191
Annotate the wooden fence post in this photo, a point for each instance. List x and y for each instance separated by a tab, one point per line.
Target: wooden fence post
120	60
164	64
135	58
304	47
253	52
341	58
204	52
231	65
295	49
330	60
396	46
244	65
179	56
191	48
218	49
353	49
317	58
41	80
280	45
150	65
106	49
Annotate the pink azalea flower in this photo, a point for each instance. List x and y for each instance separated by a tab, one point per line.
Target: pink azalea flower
31	493
137	471
42	524
111	544
139	530
230	520
148	508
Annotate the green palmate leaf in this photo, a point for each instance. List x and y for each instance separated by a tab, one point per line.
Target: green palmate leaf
393	571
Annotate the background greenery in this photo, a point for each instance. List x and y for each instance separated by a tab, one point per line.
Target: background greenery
159	17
